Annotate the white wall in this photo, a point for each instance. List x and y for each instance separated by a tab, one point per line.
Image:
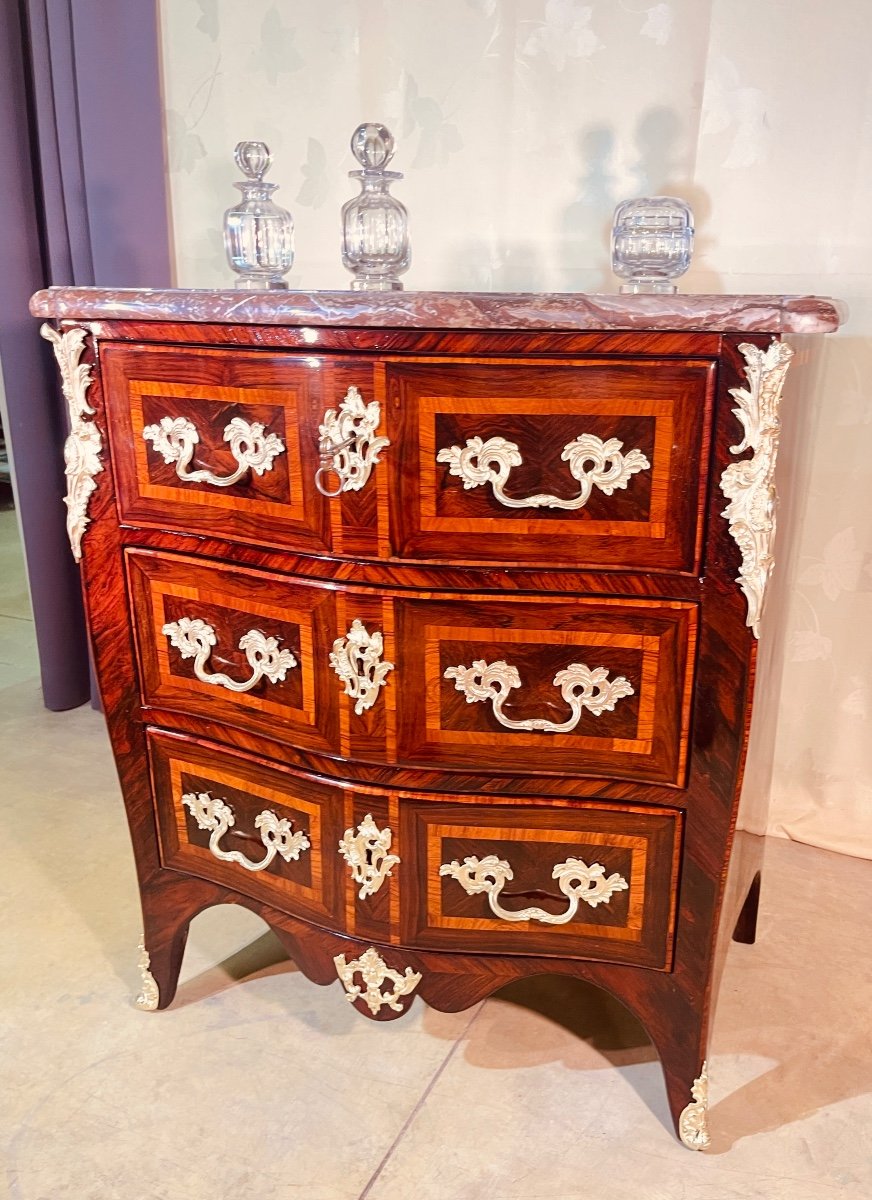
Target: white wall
520	124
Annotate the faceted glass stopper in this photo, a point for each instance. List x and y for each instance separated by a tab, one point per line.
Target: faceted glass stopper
253	159
652	243
373	146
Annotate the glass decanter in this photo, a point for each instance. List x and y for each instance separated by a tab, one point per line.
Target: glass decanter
258	233
375	235
652	243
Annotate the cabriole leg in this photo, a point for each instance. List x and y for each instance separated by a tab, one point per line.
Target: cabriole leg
682	1054
160	960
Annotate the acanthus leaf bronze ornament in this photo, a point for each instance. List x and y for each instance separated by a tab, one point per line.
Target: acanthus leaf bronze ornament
693	1122
374	971
367	854
84	445
749	484
348	445
357	660
149	996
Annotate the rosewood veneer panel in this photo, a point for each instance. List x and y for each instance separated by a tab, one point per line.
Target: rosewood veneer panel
311	886
634	925
648	644
303	707
286	394
649	519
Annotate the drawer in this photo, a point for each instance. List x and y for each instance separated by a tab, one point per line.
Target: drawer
597	687
590	881
546	684
594	463
210	442
237	647
560	879
255	828
597	463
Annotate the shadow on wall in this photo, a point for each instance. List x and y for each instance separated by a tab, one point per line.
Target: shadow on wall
658	169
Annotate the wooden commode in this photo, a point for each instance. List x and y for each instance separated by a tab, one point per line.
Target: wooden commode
426	628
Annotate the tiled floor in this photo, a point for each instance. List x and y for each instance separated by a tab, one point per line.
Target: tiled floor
258	1084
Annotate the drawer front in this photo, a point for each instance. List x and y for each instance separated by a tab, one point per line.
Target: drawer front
576	880
572	686
546	685
227	443
599	464
254	828
590	882
238	647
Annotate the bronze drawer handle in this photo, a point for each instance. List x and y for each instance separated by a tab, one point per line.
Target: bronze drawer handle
193	638
216	815
576	880
254	450
580	687
592	462
347	443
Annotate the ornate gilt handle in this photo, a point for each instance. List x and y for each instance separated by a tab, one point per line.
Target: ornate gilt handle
577	881
193	638
367	854
347	443
357	660
253	449
592	462
580	687
216	815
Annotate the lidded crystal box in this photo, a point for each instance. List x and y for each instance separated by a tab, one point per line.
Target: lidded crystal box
652	241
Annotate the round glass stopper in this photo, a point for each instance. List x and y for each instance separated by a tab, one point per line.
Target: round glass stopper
373	146
253	158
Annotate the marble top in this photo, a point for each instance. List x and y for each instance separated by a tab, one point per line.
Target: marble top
448	310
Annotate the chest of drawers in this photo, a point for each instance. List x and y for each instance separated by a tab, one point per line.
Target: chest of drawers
426	628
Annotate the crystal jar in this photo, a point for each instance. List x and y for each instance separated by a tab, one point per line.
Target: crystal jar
258	233
652	242
375	235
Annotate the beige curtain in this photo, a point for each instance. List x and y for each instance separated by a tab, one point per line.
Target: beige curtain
520	124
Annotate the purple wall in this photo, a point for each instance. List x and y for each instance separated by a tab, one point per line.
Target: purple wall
82	201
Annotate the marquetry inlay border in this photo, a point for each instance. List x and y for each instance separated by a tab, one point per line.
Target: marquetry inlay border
178	850
637	844
204	600
382	478
432	473
648	644
286	399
